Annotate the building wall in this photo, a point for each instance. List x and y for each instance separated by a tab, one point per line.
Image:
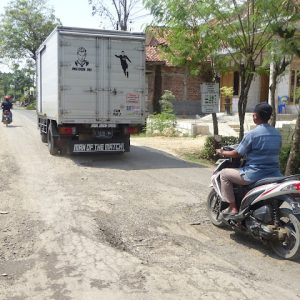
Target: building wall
150	86
185	88
254	93
283	84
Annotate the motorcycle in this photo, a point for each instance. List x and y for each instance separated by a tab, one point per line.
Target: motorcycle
268	209
6	117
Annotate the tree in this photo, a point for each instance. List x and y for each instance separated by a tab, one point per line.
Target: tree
183	34
239	30
245	29
290	37
18	81
5	83
119	12
24	25
278	66
281	51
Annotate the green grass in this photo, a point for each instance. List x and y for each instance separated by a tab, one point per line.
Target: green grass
194	158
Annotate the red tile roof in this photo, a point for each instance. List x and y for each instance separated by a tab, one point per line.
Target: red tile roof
152	55
152	51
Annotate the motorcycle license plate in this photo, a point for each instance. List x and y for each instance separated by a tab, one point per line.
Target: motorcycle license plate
295	207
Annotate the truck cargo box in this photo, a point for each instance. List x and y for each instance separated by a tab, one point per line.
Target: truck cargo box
91	76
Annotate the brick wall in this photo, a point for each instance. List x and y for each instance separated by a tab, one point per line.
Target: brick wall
184	87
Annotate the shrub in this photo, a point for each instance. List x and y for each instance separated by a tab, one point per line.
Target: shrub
163	123
160	123
166	102
31	106
283	158
210	146
208	151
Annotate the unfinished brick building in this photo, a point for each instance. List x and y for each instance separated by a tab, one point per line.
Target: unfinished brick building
161	75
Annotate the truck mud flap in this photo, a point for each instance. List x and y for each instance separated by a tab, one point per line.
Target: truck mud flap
99	147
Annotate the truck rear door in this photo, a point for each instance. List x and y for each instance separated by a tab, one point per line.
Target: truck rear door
78	80
127	80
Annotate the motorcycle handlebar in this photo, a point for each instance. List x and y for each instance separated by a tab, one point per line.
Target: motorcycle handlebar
229	147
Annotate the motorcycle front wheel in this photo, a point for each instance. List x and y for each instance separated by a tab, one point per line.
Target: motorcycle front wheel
214	209
289	247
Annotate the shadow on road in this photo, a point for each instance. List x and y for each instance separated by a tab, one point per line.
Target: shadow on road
250	242
140	158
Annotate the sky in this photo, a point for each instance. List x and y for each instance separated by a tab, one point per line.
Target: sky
78	13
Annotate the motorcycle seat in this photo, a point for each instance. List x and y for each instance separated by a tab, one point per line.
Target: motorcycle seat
267	181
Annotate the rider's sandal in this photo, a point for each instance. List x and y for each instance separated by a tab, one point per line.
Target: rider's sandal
227	213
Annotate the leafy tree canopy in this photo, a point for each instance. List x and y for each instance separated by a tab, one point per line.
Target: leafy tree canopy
18	81
24	26
235	29
184	28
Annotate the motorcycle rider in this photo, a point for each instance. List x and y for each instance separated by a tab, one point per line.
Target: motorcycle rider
260	147
6	105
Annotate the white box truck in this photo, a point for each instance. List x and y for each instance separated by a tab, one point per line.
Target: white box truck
90	89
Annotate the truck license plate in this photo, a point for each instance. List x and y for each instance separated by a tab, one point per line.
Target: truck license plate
112	147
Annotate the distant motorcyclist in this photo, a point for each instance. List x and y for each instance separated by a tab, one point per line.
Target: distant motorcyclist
6	105
261	148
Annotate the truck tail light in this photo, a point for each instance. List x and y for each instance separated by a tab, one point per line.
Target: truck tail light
132	130
67	130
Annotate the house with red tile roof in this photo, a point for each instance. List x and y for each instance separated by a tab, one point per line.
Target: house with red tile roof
162	75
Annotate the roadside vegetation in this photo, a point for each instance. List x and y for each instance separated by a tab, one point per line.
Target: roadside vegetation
198	35
24	25
163	123
206	155
232	35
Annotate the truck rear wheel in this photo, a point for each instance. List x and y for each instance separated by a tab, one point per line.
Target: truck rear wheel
44	137
51	143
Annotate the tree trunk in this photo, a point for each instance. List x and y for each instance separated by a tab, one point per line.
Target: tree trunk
215	124
273	102
272	88
278	69
242	104
291	163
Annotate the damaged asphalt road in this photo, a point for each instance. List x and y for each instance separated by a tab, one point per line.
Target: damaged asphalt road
120	227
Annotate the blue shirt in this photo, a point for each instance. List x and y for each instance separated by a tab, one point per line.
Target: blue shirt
260	147
6	105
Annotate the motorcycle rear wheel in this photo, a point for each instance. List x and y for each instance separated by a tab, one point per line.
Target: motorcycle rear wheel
290	247
213	209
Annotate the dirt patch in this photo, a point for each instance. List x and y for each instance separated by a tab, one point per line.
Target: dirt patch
177	146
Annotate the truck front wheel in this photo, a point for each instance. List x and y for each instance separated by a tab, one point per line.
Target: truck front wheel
51	143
